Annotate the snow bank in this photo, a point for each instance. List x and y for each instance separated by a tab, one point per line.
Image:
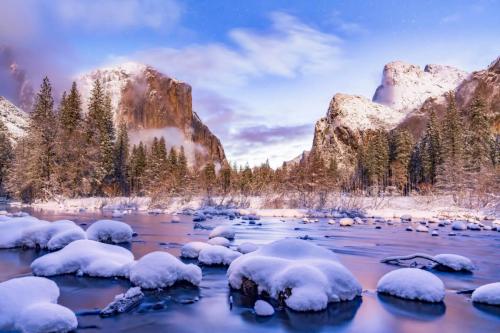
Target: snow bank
219	241
29	304
85	257
488	294
30	232
222	231
413	284
192	250
247	247
311	273
161	270
110	231
262	308
217	255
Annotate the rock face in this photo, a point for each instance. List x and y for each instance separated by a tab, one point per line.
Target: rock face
403	100
152	104
405	87
14	118
339	133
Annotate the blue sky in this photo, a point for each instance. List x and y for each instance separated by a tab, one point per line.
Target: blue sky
262	71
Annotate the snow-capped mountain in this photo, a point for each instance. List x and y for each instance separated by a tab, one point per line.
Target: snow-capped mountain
14	118
405	87
153	104
403	100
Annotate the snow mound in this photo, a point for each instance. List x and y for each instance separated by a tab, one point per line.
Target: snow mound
192	250
346	222
85	257
310	273
217	255
219	241
455	262
488	294
413	284
161	270
247	247
222	231
262	308
458	225
110	231
30	232
422	228
29	304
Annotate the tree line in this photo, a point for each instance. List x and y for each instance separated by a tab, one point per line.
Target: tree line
69	153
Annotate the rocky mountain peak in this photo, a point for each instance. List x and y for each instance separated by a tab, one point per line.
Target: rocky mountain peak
152	104
405	86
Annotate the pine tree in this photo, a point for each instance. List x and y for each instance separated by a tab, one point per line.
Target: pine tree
40	157
431	149
121	160
100	139
478	137
401	156
6	156
451	172
71	166
138	167
182	164
209	178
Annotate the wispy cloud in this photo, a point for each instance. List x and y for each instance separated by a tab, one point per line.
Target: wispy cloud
263	134
451	18
291	48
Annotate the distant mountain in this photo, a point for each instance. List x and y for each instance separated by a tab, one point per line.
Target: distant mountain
153	104
14	118
403	100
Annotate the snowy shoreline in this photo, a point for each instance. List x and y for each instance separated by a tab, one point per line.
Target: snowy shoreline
419	207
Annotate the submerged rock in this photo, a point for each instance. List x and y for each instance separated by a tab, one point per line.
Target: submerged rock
123	302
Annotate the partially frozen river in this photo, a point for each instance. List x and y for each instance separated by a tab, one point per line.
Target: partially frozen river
207	308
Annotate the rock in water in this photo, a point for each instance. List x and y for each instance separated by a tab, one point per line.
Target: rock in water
262	308
123	302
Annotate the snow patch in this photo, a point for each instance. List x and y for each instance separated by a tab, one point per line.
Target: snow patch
488	294
110	231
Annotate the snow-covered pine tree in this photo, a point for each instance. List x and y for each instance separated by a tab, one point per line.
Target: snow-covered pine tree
137	169
6	156
121	160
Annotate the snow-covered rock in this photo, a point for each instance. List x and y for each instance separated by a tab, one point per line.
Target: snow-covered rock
219	241
13	118
85	257
488	294
455	262
29	304
192	250
346	222
222	231
110	231
458	225
161	270
123	302
217	255
311	273
405	87
413	284
263	309
30	232
247	247
405	218
473	226
422	228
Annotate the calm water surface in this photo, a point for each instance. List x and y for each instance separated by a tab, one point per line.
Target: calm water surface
207	308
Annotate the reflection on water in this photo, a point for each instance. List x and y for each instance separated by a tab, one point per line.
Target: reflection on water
183	309
412	309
